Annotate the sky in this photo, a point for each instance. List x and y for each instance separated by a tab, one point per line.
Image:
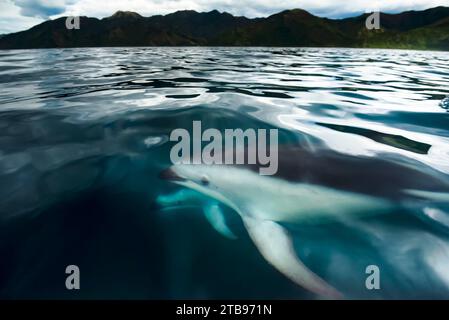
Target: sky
18	15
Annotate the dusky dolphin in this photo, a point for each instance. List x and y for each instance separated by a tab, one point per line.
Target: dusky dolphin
309	186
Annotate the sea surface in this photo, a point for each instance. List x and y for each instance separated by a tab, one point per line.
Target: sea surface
85	132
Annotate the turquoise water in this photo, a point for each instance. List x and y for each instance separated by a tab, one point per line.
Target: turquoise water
84	136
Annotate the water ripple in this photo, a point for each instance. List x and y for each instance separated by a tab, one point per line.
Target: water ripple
347	84
75	121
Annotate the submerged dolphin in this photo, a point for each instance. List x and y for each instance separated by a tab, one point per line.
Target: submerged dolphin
309	186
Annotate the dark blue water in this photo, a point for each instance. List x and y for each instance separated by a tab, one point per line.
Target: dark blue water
84	135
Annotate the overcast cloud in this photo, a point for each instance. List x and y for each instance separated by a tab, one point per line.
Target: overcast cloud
17	15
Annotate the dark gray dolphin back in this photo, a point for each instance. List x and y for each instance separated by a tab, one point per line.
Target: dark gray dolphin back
381	176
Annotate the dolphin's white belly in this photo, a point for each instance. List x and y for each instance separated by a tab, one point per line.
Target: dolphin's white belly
311	203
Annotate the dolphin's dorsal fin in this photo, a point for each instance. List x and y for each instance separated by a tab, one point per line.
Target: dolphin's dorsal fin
214	215
276	247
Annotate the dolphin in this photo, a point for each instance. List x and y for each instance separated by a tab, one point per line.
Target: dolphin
313	186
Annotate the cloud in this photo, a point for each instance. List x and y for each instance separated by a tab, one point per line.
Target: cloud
40	8
11	20
250	8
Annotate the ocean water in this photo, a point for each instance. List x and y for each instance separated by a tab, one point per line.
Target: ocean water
84	134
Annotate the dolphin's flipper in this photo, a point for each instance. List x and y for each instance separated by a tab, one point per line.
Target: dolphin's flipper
179	199
216	218
276	247
187	198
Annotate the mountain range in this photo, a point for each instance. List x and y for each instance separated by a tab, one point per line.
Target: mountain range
427	29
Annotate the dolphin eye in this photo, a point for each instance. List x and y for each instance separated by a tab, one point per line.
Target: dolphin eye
204	181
